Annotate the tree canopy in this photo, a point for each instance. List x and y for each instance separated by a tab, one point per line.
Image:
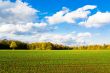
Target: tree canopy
13	45
18	45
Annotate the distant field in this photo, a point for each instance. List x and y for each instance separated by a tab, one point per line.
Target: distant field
54	61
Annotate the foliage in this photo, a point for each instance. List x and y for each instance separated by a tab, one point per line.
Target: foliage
4	44
7	44
13	45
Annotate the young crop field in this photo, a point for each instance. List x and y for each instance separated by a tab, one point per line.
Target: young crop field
54	61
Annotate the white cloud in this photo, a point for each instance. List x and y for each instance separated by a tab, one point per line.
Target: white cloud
18	17
86	34
7	28
65	15
16	12
65	39
12	28
87	7
40	25
58	17
97	20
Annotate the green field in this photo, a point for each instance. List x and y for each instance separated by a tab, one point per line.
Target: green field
54	61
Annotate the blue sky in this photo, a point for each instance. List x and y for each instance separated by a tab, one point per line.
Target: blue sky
68	22
52	6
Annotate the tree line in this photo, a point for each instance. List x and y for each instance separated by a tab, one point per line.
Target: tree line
18	45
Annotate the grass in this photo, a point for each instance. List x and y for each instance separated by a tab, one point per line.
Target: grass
54	61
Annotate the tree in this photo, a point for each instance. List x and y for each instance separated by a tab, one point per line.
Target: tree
13	45
43	46
49	46
4	44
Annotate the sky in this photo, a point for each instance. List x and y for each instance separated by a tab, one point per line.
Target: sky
67	22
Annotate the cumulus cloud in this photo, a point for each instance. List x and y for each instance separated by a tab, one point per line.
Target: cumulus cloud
16	12
16	16
97	20
82	14
20	18
28	28
65	15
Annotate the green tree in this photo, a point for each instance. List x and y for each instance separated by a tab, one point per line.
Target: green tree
13	45
49	46
43	46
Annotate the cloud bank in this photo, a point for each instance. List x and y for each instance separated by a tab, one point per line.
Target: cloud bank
65	39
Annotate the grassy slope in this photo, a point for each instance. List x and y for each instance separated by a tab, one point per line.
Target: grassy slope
54	61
